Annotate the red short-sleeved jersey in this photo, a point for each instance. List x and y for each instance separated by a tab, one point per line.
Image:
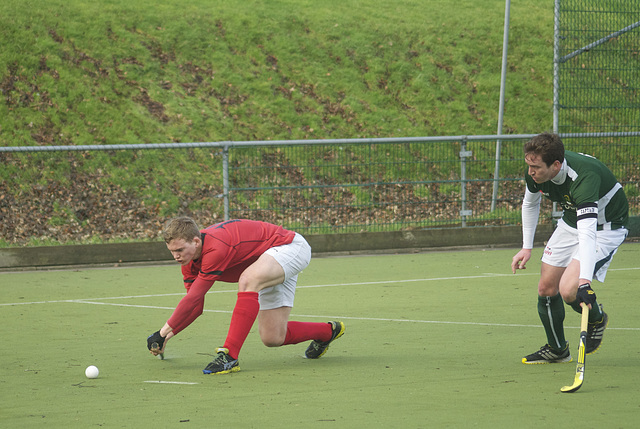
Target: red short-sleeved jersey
228	248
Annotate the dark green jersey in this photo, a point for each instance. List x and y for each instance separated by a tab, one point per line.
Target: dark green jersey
583	180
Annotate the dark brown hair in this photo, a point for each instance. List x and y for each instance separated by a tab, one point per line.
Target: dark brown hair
547	146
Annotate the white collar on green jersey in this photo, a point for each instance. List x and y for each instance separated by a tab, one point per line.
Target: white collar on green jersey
562	174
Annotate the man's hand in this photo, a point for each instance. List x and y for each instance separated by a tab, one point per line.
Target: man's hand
520	260
586	294
155	343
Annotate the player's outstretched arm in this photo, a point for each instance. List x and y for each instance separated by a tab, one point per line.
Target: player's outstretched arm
519	261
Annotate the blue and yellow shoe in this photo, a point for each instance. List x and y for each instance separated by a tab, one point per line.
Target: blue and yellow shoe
319	348
222	364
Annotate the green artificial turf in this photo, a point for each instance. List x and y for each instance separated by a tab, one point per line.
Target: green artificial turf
432	340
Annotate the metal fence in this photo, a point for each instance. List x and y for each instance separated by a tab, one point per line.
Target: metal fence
391	184
126	192
372	185
596	66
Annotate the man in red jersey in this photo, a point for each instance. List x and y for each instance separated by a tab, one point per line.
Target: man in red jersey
264	259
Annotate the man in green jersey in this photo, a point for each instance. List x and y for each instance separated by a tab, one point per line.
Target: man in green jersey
592	227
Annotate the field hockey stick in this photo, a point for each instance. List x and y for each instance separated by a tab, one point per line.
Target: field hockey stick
579	379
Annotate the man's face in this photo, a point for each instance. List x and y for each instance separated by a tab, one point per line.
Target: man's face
185	251
538	170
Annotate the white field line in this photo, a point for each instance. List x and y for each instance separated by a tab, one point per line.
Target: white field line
169	382
98	301
485	275
373	319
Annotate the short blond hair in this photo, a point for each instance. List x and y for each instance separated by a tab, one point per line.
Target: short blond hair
180	227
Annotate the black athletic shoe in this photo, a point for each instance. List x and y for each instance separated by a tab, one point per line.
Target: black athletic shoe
595	332
318	348
222	364
547	355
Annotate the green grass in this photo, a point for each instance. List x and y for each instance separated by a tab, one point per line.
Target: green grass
432	340
131	72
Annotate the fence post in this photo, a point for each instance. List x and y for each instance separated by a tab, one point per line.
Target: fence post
225	180
556	63
503	83
464	154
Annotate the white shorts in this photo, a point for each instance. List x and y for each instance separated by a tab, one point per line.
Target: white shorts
562	247
293	257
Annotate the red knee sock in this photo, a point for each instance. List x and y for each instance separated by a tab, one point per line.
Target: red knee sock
298	332
244	314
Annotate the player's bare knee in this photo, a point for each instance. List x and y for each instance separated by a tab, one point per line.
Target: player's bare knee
568	296
272	336
545	289
246	284
272	341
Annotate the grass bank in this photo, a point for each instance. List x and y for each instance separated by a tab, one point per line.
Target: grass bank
75	72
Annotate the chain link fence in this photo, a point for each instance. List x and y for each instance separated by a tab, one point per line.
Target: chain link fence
597	81
84	194
597	57
370	186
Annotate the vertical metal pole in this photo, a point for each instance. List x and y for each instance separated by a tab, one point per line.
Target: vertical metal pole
464	154
556	63
225	180
556	80
503	79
